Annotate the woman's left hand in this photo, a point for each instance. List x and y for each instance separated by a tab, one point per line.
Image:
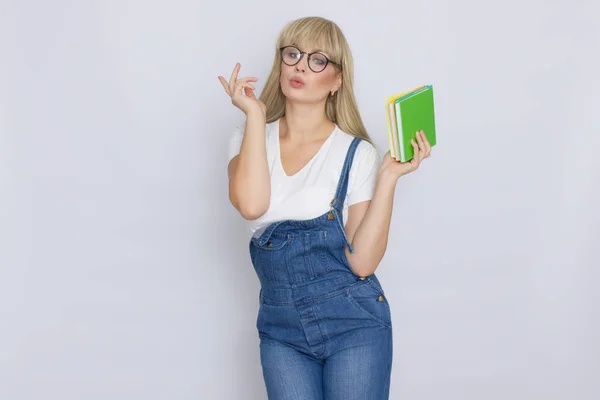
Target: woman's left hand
422	150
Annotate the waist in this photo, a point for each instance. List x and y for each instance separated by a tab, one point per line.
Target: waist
325	287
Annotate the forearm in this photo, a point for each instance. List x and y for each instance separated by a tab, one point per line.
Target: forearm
251	182
371	237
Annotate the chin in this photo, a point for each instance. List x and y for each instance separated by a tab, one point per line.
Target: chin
294	96
299	96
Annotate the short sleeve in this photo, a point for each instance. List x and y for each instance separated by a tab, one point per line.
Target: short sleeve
363	174
235	141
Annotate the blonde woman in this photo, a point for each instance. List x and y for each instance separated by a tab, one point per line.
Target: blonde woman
318	200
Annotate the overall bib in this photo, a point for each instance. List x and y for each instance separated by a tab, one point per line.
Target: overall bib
325	333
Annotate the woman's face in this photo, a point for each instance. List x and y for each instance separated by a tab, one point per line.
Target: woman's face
300	83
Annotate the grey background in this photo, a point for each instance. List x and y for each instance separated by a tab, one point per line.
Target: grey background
124	271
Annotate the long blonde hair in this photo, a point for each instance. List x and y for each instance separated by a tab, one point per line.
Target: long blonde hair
340	108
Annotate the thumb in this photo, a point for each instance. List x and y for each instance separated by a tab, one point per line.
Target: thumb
248	92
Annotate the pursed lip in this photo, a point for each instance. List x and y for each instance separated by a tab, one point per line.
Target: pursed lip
296	79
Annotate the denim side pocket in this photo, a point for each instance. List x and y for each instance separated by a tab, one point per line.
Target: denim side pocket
371	302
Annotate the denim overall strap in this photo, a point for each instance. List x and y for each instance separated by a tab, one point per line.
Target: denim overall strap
337	204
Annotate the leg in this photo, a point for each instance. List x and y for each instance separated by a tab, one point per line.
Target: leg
361	372
290	374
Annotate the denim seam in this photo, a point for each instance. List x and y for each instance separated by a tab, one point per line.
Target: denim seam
314	299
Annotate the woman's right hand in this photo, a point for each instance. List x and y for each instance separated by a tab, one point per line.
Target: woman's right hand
242	92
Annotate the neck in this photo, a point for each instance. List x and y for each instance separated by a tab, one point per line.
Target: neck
305	122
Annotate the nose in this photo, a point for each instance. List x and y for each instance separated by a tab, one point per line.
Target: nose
302	64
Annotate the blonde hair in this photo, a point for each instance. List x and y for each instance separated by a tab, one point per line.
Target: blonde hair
341	108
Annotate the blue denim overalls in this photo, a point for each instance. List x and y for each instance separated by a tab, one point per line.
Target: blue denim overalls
314	307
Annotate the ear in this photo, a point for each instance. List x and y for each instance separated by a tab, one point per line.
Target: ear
338	82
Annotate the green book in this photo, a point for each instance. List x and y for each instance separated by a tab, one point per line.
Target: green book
408	113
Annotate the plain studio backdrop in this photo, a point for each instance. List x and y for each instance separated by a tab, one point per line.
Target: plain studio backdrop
124	270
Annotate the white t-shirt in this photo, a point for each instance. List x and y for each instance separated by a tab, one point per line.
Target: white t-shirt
307	194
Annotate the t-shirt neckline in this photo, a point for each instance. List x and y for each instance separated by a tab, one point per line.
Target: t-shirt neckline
307	165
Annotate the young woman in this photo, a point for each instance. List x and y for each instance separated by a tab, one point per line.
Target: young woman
318	200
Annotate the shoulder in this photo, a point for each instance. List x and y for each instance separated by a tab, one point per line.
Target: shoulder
366	152
363	173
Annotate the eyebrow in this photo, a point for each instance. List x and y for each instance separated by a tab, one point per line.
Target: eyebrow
314	51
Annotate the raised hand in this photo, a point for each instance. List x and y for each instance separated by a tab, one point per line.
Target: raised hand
422	150
241	92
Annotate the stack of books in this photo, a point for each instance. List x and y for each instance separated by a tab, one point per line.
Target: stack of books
407	113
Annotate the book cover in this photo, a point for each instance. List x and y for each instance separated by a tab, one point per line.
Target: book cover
408	113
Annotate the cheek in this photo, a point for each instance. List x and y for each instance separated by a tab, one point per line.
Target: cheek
286	72
323	81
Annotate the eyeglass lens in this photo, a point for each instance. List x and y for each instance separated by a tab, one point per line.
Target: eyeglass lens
316	62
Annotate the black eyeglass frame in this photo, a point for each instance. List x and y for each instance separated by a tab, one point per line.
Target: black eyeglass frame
302	53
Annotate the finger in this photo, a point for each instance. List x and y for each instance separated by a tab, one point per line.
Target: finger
424	140
248	79
247	90
418	155
427	146
249	93
415	161
234	74
240	85
225	85
421	141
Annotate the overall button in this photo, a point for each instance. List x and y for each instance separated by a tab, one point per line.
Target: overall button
269	244
380	298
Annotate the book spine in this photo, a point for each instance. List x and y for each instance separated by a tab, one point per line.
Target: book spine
389	128
399	136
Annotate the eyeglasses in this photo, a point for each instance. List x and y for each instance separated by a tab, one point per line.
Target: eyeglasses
317	62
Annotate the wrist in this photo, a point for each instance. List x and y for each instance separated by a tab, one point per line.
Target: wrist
386	177
256	113
385	183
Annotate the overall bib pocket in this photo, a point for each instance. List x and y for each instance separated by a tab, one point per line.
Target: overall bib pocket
270	257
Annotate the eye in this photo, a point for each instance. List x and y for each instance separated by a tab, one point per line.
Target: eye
319	59
292	53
